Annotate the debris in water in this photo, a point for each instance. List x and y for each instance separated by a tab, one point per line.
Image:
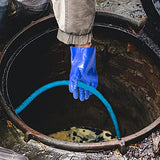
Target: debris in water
9	123
83	135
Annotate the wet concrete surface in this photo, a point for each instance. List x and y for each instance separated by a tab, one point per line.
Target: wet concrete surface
128	8
13	138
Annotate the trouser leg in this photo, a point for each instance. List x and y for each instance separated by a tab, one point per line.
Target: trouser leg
75	20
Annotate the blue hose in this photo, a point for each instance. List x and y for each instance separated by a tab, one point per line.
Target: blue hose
80	84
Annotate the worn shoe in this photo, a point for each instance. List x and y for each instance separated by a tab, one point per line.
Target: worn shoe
29	9
21	13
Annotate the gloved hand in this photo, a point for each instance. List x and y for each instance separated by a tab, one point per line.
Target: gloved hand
83	69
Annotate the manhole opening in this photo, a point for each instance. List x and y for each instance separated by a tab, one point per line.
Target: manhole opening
128	79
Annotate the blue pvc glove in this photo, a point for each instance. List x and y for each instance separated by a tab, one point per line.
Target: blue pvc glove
83	69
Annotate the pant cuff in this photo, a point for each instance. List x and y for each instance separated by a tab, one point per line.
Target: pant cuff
74	39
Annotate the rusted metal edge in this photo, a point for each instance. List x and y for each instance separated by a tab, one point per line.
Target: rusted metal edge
142	38
32	134
120	143
137	24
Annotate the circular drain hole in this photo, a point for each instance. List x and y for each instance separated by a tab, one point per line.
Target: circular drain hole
128	79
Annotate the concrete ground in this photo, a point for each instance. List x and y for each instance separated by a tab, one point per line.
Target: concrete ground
12	138
128	8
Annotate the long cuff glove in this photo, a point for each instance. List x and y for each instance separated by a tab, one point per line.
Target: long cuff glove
83	69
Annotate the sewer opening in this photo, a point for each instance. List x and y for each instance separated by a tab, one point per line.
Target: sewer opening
128	79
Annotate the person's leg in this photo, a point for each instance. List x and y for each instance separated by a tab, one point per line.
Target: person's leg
19	14
31	9
75	20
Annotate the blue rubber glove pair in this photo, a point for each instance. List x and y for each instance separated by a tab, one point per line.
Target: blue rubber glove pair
83	69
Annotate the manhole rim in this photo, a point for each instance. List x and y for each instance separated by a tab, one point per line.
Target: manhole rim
33	134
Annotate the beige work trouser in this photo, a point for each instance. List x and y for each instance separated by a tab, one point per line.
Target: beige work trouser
75	19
